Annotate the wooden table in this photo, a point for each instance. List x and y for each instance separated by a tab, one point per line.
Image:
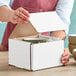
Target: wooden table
6	70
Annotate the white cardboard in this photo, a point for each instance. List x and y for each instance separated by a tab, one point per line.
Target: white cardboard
36	56
42	55
19	53
46	21
46	55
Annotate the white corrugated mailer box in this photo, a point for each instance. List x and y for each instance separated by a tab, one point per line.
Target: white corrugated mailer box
36	56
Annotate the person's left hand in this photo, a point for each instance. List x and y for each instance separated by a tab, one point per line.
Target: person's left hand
59	34
65	57
62	35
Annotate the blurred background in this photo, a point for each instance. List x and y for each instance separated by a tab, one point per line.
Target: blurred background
2	29
72	29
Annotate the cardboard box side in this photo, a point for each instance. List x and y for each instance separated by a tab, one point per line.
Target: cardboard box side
46	55
19	53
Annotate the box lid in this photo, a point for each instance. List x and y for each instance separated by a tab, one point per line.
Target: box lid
46	21
39	22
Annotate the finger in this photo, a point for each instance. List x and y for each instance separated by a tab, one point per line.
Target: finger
64	63
20	21
15	17
25	12
65	58
24	17
21	15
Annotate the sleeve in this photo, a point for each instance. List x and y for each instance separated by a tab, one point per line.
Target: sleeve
64	10
5	2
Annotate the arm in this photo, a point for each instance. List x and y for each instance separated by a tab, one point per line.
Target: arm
59	34
4	13
63	9
19	15
7	14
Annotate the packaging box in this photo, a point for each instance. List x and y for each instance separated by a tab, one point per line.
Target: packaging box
36	56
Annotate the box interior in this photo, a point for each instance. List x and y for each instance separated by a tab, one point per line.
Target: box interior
48	38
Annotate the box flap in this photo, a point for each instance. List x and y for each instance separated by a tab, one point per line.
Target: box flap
46	21
23	30
39	22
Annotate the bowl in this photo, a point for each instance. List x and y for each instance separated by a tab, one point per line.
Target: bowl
74	53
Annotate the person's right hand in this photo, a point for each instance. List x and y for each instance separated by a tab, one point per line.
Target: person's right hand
19	15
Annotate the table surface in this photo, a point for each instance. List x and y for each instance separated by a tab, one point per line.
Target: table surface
6	70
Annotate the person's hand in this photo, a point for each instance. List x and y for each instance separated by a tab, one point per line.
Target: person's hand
65	57
19	15
59	34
